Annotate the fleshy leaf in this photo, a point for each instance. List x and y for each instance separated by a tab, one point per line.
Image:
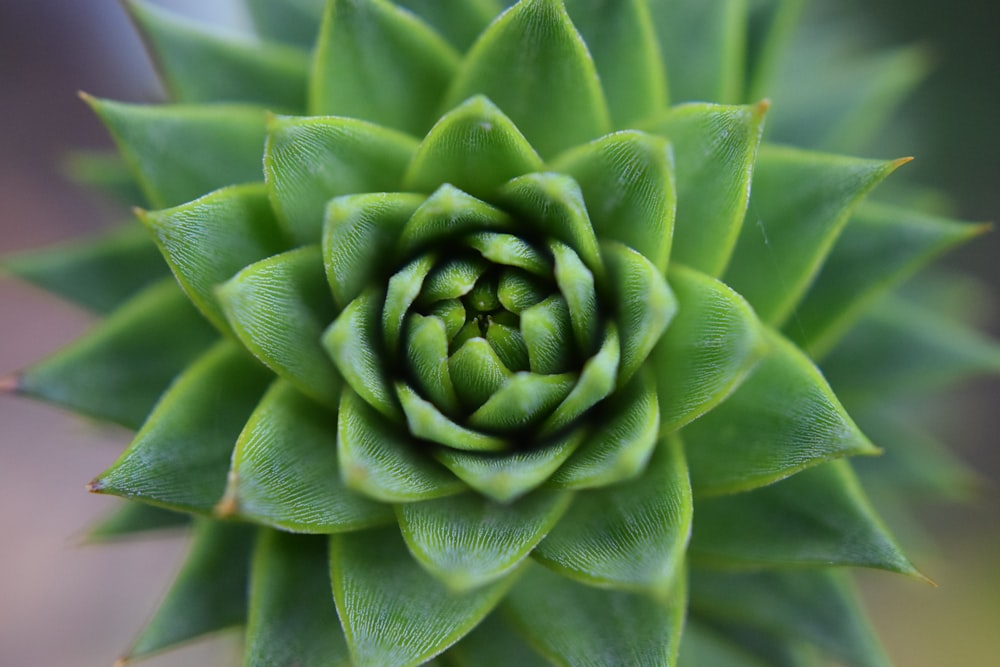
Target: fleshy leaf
879	248
292	21
427	357
285	471
179	153
459	22
207	241
522	401
201	65
715	147
180	457
815	605
476	372
393	612
446	215
378	458
621	37
627	181
279	308
534	65
595	383
771	28
404	288
707	350
702	43
493	643
700	646
546	329
467	541
628	536
209	593
129	520
620	446
783	419
98	273
767	649
292	619
119	369
818	517
506	477
475	148
308	161
379	63
573	624
427	422
104	171
576	284
800	202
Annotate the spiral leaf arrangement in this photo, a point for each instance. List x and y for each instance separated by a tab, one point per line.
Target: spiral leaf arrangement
501	359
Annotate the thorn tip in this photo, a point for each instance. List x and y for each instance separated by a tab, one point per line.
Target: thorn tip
10	384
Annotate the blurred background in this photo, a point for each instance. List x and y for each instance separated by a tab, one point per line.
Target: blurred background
64	604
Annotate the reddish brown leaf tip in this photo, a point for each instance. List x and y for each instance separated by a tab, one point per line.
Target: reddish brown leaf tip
10	384
899	162
95	486
86	97
763	106
229	505
121	662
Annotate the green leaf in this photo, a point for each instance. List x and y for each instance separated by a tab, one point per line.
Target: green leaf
366	41
209	593
576	284
285	472
292	619
104	171
771	27
628	537
475	148
381	460
595	383
628	425
129	520
207	241
100	272
621	37
573	624
447	215
708	349
880	247
702	645
715	148
476	372
816	605
467	541
199	64
715	642
293	21
427	357
512	251
279	308
521	402
393	612
178	153
506	477
180	457
404	288
627	181
800	202
818	517
427	422
308	161
493	643
703	44
782	419
546	329
534	65
643	305
119	369
459	22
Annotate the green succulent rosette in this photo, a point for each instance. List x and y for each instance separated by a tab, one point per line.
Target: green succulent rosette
501	359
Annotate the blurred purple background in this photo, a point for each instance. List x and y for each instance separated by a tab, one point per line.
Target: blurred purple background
62	604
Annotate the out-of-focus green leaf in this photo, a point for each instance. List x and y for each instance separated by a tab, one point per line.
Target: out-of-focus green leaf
628	536
459	22
99	273
800	202
627	181
291	617
207	241
708	349
279	308
308	161
379	63
703	45
393	612
130	519
715	148
880	247
493	643
104	171
818	517
285	471
467	541
178	153
716	642
119	369
573	624
209	593
621	37
771	25
199	64
293	21
180	457
701	646
782	419
535	66
475	148
818	606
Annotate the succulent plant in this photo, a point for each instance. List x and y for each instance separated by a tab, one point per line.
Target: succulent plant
504	356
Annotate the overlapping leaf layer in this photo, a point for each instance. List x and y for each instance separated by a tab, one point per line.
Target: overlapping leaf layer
499	359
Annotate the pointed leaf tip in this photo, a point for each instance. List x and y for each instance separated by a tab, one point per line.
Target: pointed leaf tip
94	487
11	384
